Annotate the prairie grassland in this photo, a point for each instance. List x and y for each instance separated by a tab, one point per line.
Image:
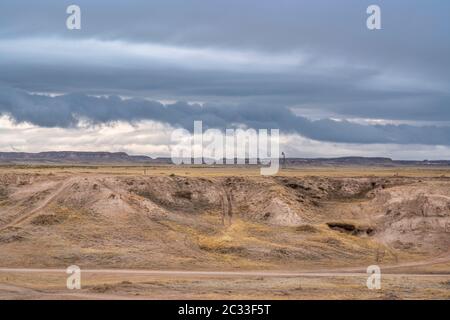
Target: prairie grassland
229	171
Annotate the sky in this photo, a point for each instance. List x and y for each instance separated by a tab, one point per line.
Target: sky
137	70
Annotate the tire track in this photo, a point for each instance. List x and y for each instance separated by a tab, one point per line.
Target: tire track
33	212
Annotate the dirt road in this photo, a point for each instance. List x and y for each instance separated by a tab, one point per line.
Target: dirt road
320	273
62	187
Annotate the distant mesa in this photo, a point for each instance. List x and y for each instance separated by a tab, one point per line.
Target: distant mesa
79	157
75	157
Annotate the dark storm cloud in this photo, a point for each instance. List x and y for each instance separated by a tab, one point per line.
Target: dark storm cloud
338	90
67	110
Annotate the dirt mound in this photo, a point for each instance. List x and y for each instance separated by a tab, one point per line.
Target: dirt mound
254	199
416	216
177	193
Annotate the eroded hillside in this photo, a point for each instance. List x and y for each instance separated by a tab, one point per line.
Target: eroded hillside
179	222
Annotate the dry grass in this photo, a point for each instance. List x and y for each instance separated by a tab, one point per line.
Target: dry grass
107	286
234	171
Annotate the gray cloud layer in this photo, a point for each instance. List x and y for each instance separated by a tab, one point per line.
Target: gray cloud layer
251	62
67	110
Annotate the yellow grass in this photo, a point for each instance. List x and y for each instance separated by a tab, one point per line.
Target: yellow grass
218	171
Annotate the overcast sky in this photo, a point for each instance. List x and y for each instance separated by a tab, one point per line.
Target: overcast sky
138	69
